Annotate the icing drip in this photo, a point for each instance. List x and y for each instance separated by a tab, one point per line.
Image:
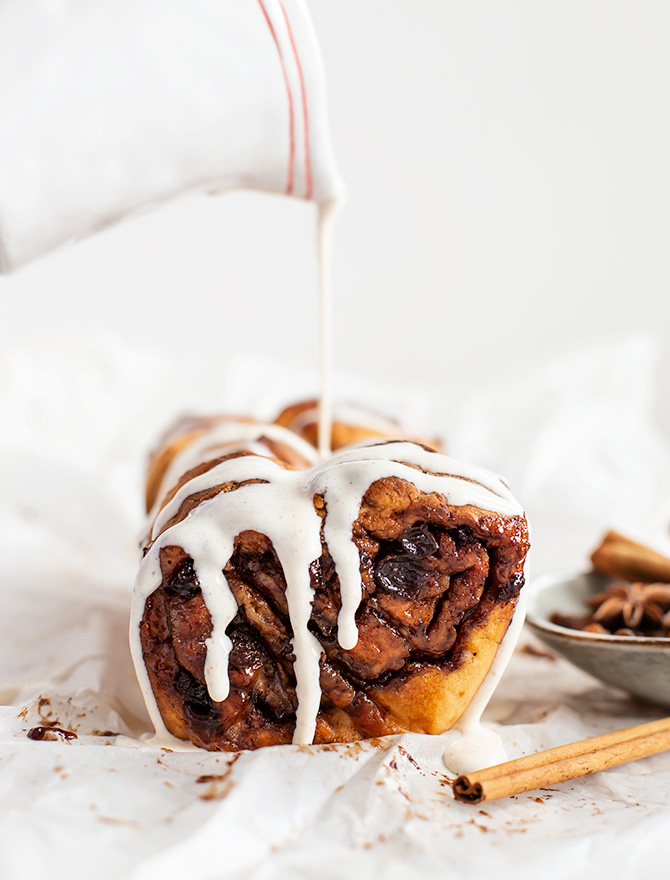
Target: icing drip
479	746
228	437
280	504
344	480
327	215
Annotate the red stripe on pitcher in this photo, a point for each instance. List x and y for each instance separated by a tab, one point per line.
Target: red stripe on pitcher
289	184
309	183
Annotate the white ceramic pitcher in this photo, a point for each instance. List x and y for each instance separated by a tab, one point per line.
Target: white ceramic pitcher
108	107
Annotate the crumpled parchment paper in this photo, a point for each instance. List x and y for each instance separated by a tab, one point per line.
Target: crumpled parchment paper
580	453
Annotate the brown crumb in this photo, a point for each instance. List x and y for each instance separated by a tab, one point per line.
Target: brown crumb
532	651
214	794
113	820
211	777
51	734
409	757
219	783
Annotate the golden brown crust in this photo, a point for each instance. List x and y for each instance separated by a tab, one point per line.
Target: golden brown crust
303	419
183	434
432	699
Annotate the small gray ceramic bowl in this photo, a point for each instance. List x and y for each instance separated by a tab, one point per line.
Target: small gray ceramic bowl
638	664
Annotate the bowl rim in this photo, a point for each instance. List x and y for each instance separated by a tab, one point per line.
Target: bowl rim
549	579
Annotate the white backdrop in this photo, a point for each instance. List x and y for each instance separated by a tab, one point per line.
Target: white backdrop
509	189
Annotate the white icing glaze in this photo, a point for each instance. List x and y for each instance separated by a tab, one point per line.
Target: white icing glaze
478	746
223	438
204	96
282	508
327	216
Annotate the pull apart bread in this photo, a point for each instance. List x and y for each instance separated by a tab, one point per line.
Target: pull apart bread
285	599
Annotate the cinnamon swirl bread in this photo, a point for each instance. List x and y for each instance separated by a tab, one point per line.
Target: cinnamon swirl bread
284	600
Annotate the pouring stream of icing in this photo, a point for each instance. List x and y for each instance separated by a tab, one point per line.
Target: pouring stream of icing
281	506
328	212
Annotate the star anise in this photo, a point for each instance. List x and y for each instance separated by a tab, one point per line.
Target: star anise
640	606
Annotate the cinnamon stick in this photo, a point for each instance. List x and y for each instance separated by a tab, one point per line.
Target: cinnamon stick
619	556
564	762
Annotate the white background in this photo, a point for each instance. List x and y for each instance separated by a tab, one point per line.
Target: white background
509	183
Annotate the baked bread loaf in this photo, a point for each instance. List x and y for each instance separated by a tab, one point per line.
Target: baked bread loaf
284	600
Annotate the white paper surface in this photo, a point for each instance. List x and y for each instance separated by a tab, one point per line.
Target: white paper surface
77	423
